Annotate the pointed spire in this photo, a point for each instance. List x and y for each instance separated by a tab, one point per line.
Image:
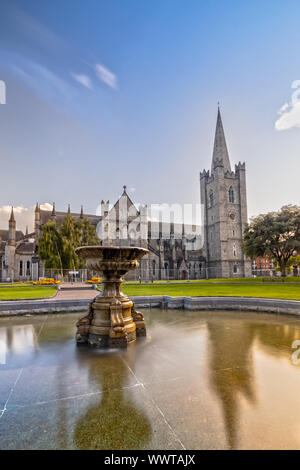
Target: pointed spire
12	229
220	152
81	212
53	210
37	207
12	217
124	189
69	209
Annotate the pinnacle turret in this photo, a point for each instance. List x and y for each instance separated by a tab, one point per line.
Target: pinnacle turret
220	153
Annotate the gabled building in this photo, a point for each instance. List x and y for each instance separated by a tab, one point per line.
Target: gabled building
176	251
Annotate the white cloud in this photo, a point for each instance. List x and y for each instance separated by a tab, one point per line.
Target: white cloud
83	80
289	113
24	216
106	76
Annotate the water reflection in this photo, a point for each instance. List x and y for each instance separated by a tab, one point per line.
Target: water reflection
231	370
17	340
115	422
232	374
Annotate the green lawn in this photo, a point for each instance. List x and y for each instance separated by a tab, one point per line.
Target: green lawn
276	291
274	279
30	292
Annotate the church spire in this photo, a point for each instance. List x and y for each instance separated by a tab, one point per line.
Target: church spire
220	153
12	217
53	210
81	212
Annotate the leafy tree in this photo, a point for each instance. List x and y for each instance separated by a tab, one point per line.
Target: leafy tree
57	246
70	233
292	262
276	234
87	232
51	246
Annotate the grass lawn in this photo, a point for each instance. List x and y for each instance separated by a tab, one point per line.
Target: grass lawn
259	279
276	291
30	292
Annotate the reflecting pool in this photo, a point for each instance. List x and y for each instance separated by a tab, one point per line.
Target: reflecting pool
200	380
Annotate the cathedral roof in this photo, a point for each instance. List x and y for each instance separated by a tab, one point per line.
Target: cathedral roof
5	233
220	152
46	215
25	248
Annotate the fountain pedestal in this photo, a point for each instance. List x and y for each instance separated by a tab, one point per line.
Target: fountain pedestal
112	320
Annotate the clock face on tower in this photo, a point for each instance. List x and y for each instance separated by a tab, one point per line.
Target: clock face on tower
232	216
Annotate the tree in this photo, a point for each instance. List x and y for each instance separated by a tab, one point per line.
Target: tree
57	246
88	235
292	264
276	234
70	233
51	246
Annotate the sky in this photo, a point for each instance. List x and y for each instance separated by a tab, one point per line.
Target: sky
102	93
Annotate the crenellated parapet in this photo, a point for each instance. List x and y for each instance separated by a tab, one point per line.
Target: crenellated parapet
204	174
240	166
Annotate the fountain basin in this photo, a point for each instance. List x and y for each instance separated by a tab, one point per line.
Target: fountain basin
112	320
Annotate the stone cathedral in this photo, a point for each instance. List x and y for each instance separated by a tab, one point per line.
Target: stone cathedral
186	253
223	195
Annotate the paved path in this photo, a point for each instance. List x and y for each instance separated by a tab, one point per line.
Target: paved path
75	294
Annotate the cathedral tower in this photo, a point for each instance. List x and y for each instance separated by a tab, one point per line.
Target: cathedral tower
223	196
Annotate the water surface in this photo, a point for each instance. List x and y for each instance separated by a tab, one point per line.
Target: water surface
201	380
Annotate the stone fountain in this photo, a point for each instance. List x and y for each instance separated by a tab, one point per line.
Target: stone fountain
112	320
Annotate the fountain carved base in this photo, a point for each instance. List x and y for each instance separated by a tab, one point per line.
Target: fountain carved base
110	322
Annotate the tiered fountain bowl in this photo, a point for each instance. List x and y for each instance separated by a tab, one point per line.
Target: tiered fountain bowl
112	320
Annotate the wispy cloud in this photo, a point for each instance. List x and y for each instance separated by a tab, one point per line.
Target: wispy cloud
106	76
289	113
49	85
83	80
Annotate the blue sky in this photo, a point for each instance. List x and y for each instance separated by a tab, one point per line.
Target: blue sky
102	93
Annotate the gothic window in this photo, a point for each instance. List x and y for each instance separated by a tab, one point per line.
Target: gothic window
235	269
28	268
211	198
234	250
21	268
231	194
153	267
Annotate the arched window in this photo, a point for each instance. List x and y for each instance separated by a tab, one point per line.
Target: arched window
211	198
235	269
153	267
231	194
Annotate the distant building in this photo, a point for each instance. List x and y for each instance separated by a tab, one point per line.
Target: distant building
176	251
17	253
263	266
223	195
